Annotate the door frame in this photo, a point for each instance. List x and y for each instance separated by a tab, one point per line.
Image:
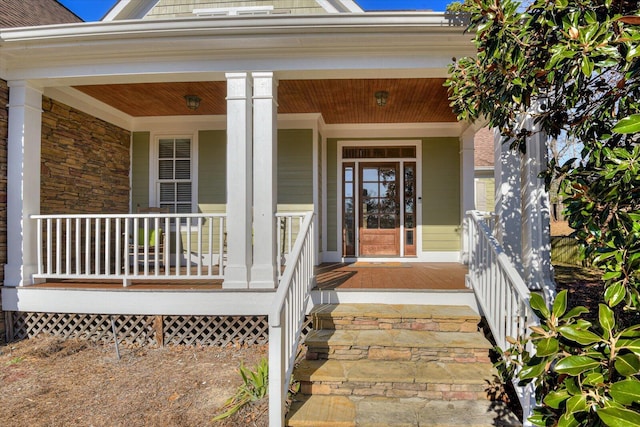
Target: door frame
340	184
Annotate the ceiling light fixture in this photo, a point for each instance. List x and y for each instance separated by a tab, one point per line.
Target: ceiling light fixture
193	102
381	97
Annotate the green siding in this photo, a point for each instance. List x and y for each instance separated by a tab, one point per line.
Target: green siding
295	169
440	194
212	179
140	169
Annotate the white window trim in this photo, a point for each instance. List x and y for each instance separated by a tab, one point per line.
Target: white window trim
153	167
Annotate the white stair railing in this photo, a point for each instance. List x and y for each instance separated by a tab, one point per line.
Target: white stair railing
288	315
501	292
131	246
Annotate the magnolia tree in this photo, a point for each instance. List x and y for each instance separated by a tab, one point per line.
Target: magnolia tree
574	68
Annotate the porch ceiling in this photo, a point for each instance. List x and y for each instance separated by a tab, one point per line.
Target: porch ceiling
339	101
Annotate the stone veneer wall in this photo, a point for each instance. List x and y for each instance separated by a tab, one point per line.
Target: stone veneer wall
85	162
4	115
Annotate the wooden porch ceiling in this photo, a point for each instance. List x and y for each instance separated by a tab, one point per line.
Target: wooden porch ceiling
339	101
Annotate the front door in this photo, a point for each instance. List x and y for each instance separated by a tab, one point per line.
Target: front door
379	215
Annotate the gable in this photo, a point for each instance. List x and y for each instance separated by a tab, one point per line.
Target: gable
169	9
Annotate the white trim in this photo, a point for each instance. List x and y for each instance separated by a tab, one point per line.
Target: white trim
129	301
325	198
429	256
153	166
376	143
89	105
182	124
231	11
393	130
396	296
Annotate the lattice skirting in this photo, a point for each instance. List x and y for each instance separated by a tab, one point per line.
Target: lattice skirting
145	330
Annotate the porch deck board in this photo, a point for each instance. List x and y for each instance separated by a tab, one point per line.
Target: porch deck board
396	275
329	276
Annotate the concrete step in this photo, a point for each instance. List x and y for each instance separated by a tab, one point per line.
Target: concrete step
343	411
397	344
429	380
396	316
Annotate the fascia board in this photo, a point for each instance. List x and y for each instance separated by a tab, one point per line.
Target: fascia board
404	22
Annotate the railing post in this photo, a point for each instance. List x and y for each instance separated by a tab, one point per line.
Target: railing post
276	370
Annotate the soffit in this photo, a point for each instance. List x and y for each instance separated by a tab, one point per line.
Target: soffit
339	101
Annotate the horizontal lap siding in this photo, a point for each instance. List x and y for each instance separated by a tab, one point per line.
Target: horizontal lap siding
140	169
440	194
183	8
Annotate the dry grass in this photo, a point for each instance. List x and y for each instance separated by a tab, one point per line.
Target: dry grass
52	382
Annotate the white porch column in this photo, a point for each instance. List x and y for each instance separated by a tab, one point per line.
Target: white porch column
23	182
239	181
467	183
265	184
507	201
536	240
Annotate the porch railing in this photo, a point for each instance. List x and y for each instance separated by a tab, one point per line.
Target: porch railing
500	290
288	315
289	225
131	246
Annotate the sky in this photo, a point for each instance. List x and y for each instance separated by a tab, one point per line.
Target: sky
94	10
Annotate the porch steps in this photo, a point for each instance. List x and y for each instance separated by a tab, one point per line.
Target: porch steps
395	365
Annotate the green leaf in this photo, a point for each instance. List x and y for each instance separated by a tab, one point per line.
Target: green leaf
539	306
577	404
587	66
575	312
573	333
619	417
532	371
626	392
575	365
627	364
633	346
560	304
593	379
547	346
614	294
567	420
607	319
555	398
630	124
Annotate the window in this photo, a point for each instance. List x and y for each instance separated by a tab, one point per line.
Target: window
175	176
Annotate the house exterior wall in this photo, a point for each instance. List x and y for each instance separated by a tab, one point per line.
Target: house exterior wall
85	162
295	170
140	145
440	194
212	167
183	8
4	131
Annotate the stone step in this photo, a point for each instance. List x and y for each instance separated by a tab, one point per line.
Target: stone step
429	380
395	316
343	411
397	344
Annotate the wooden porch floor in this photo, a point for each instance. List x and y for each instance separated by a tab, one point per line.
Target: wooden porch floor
391	275
329	276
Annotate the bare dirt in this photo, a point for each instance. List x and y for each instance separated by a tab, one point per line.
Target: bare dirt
53	382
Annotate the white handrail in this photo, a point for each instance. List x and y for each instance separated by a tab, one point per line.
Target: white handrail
501	292
287	317
125	247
